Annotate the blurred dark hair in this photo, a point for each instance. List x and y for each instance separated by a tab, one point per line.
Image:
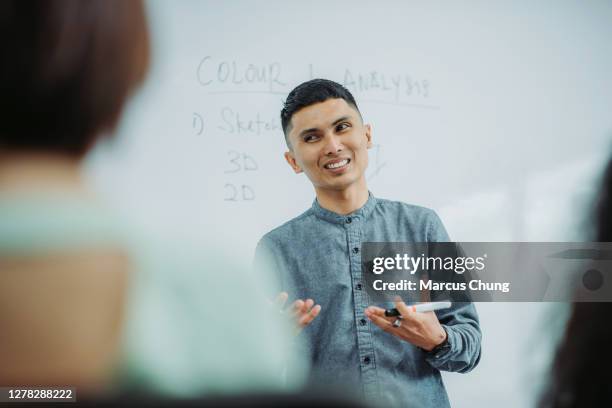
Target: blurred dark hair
580	369
67	68
311	92
603	211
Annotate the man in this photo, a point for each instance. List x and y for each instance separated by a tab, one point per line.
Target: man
317	256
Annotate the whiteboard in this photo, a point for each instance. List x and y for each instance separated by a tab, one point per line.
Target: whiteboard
475	107
495	114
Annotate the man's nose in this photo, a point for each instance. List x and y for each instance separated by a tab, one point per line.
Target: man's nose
333	145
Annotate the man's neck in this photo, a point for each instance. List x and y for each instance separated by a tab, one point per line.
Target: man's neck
343	201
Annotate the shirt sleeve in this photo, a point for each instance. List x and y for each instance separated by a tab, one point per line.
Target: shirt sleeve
462	352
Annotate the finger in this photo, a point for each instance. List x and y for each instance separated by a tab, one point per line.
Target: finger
280	300
380	312
310	316
306	308
381	322
308	304
409	313
406	311
296	307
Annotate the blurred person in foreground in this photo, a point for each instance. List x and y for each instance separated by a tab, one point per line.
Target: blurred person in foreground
580	376
84	299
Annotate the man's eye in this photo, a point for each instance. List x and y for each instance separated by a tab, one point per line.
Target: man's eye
310	138
342	126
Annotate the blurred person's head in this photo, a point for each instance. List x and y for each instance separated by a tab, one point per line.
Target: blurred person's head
67	68
579	371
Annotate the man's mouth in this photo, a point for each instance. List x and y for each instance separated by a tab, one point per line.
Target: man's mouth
337	164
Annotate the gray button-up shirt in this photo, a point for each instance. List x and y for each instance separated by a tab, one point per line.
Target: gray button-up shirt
317	255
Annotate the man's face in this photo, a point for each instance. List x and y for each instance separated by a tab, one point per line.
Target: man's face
328	141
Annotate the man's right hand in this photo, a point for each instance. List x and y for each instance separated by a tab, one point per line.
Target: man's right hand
302	312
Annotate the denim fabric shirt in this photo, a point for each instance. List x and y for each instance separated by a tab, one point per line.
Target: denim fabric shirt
317	255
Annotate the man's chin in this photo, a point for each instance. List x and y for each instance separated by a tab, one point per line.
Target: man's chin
337	185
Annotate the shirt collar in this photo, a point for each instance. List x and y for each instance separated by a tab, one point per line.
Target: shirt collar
358	215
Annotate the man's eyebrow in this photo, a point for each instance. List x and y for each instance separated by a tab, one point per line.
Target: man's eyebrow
305	131
342	119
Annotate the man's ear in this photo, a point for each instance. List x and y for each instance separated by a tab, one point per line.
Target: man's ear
292	162
368	132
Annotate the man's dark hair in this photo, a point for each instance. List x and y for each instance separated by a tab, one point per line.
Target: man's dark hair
67	68
311	92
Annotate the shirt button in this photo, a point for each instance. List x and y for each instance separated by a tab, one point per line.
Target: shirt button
355	250
363	322
366	359
358	286
349	220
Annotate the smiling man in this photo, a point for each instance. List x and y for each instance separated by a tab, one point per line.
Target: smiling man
316	258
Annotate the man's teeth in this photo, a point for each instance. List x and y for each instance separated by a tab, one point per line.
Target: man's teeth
336	165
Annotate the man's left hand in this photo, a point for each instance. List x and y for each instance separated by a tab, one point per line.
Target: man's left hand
421	329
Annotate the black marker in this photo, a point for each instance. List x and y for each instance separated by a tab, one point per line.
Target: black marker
422	307
392	312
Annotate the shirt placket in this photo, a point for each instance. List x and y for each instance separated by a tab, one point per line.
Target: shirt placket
365	344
